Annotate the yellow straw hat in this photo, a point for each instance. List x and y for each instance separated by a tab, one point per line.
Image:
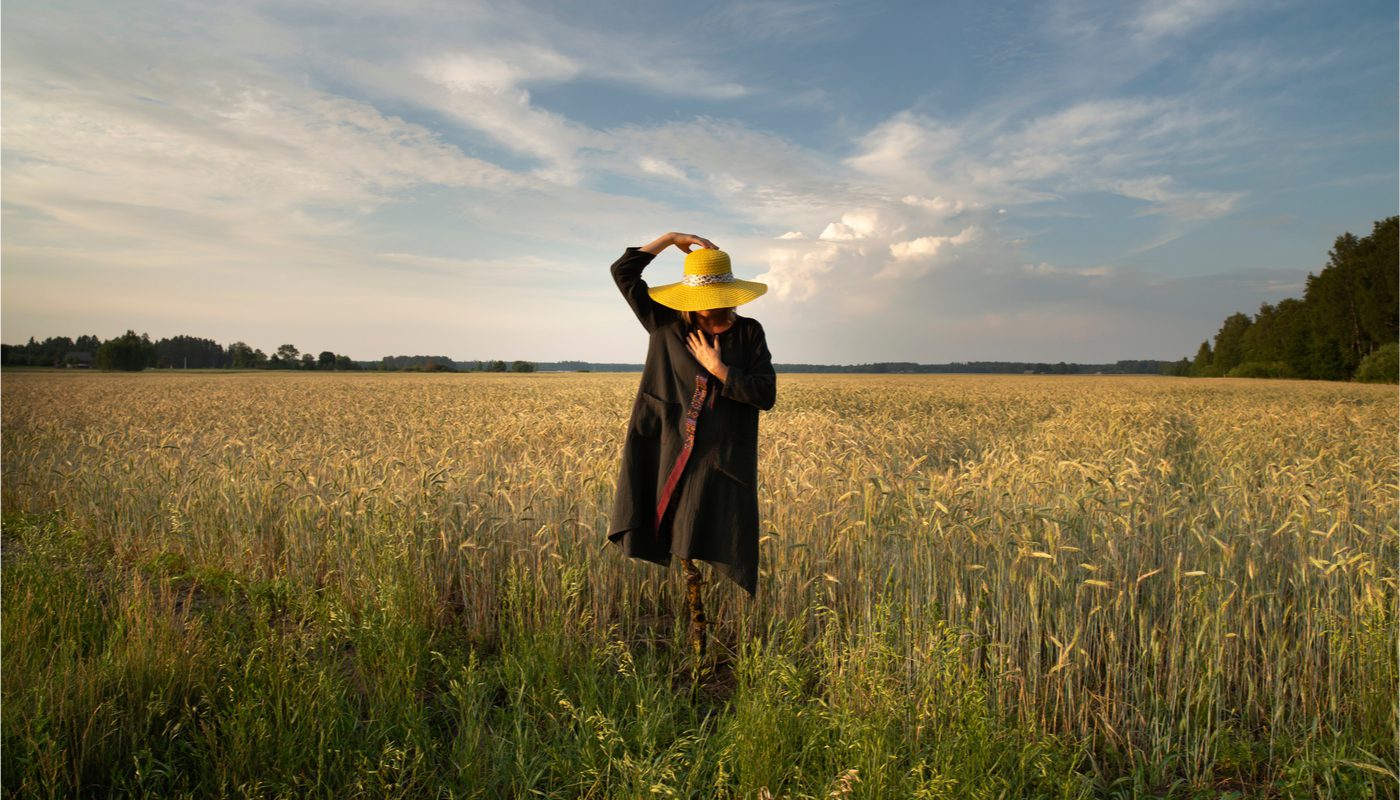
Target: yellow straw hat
709	283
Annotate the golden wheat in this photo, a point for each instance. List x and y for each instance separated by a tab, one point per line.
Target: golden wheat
1138	560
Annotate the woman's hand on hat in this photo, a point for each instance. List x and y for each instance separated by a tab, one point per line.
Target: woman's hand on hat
707	354
686	241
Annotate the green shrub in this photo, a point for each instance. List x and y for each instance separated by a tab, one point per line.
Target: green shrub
1261	369
1381	366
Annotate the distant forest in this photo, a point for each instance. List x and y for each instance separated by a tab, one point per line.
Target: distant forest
1125	367
131	351
1346	326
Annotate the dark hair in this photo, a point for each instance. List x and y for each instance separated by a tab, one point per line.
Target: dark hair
688	317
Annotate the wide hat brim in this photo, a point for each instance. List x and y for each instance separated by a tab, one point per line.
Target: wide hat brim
716	295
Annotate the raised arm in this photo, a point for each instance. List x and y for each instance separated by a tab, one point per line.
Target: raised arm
685	241
627	273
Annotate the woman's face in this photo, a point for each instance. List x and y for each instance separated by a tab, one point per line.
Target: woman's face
715	313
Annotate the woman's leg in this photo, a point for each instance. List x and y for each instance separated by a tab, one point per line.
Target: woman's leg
693	582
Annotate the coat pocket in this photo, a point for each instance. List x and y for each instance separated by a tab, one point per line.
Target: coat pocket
649	414
724	472
736	463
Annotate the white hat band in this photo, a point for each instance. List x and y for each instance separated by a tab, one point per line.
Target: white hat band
706	280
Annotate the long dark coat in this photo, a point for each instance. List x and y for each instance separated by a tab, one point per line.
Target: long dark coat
715	515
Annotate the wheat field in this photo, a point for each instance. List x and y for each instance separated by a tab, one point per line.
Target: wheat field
370	585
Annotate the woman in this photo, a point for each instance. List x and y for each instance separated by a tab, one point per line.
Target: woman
689	478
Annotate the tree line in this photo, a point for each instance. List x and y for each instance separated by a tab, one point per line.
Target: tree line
1345	327
133	352
1121	367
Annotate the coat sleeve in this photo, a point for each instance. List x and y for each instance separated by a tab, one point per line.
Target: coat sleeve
753	382
627	273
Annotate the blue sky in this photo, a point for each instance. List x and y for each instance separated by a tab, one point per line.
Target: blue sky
915	181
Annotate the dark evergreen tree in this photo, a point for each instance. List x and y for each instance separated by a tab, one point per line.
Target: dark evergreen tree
49	353
1379	306
191	352
1261	340
1201	367
1229	343
1348	310
1294	326
1353	300
128	352
1326	361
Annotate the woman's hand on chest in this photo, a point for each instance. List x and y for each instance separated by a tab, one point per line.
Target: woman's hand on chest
706	350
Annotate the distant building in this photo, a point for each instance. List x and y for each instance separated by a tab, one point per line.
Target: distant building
80	359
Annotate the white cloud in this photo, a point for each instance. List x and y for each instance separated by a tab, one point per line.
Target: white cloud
1161	191
916	257
1044	268
921	248
863	222
936	206
1159	19
657	166
249	161
503	71
866	242
929	246
1091	146
838	232
486	93
904	146
859	224
796	275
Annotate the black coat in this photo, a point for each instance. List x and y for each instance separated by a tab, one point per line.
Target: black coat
715	516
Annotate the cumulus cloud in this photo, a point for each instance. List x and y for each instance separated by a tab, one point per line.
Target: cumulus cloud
916	257
795	274
936	206
865	242
839	232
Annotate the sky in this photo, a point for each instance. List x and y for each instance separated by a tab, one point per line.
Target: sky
931	182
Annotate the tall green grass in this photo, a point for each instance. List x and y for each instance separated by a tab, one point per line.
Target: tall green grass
280	585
